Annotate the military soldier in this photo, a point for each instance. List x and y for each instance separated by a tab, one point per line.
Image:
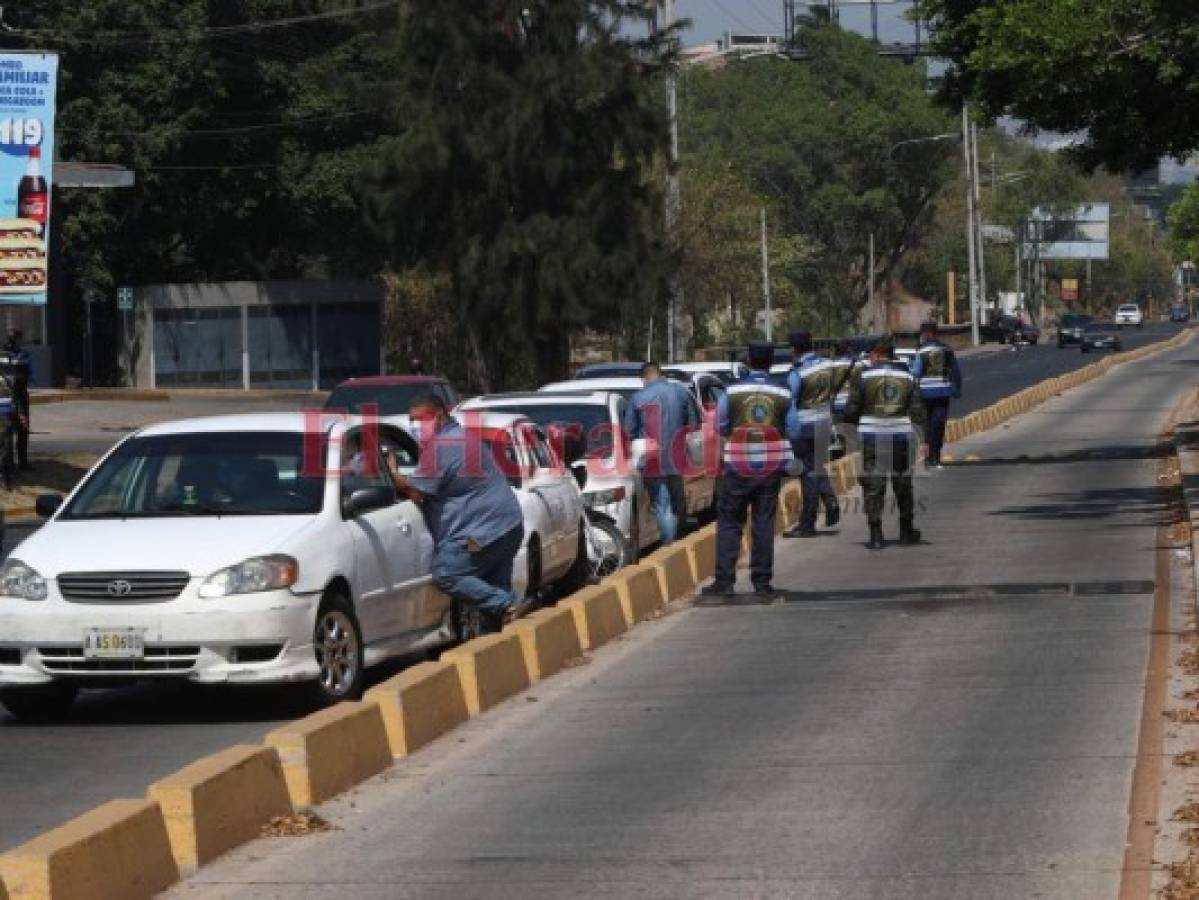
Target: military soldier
884	402
813	387
940	378
752	417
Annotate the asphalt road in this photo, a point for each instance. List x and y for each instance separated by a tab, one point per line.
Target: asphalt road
119	741
954	720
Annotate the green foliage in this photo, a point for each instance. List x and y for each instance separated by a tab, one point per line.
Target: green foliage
1122	73
1184	224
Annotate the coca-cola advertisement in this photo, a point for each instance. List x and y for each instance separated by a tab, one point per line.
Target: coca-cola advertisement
27	98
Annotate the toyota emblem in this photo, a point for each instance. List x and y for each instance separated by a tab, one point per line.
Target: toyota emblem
119	588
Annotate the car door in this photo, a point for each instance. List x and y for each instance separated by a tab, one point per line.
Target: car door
384	540
557	488
698	483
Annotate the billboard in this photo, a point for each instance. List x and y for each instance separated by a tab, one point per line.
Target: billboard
1081	234
28	83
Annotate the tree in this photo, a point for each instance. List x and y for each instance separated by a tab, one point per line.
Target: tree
526	135
1184	224
1119	73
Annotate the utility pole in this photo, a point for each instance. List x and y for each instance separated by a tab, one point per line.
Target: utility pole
674	202
766	281
970	242
978	215
870	278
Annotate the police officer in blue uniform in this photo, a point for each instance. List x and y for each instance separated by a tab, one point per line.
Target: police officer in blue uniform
935	368
813	385
752	417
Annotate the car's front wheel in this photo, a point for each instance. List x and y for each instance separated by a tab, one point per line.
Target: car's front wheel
40	703
337	643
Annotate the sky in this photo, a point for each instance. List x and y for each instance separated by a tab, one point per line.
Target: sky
712	18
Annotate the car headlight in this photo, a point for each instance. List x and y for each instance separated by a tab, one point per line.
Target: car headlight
261	573
19	580
604	498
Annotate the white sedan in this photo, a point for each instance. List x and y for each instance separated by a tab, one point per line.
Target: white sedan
1129	314
239	549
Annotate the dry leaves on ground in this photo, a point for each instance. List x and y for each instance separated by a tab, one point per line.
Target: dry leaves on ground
1184	881
1187	758
296	825
1182	715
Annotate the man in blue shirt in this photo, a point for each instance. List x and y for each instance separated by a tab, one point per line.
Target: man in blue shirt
935	368
662	412
471	511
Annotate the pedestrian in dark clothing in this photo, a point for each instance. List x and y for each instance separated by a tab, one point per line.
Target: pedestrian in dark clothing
935	368
752	417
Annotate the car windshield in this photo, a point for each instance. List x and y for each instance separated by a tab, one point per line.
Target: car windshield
590	422
391	400
202	474
1128	307
1075	321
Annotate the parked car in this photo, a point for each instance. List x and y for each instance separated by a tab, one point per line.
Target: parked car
1009	329
242	549
626	378
554	551
1101	336
727	372
1180	313
1129	314
391	394
1070	329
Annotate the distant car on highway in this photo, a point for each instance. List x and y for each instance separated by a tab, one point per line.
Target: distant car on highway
245	549
390	394
1180	313
1070	329
1101	336
1129	314
1008	330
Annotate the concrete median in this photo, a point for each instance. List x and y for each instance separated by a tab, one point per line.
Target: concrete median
549	639
331	751
598	614
220	802
420	705
118	851
701	553
640	589
492	669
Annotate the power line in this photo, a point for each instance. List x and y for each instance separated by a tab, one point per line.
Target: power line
191	34
770	20
234	168
732	15
215	132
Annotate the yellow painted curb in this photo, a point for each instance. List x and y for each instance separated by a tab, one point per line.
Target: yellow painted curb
420	704
598	615
118	851
549	639
674	572
492	669
641	590
701	553
790	501
330	751
220	802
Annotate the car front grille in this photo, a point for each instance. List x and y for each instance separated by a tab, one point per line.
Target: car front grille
157	659
121	587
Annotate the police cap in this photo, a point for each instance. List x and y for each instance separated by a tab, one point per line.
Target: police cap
761	355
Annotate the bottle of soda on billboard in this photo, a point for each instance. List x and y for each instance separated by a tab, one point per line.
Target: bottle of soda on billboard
33	200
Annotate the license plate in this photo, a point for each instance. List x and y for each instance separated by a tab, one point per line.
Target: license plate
113	644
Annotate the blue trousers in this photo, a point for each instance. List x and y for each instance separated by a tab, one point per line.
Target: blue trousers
739	495
668	496
937	413
483	578
811	451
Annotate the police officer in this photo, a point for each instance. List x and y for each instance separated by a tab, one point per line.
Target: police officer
752	417
662	411
936	369
810	430
471	512
884	402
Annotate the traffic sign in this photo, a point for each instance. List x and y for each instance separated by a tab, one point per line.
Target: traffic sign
125	298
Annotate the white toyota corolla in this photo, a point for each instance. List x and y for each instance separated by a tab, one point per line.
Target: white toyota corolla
239	549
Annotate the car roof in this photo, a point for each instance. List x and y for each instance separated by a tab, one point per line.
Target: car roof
393	381
713	366
297	422
613	383
588	397
481	419
620	366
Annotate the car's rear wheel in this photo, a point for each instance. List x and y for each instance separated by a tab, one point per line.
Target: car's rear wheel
609	550
40	703
581	569
337	643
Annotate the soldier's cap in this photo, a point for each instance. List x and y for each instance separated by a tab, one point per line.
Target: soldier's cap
800	340
761	354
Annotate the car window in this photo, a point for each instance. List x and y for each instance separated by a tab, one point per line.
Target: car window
362	465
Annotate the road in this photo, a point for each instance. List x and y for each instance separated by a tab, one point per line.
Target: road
954	720
119	741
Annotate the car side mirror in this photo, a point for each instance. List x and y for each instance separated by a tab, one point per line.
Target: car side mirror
46	505
366	500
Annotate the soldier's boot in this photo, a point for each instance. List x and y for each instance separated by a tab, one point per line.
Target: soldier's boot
908	535
876	536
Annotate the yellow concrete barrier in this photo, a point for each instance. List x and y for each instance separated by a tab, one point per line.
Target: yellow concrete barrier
641	590
420	705
790	501
674	572
549	639
701	553
492	669
220	802
118	851
330	751
598	615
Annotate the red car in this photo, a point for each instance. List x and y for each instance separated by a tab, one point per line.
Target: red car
392	394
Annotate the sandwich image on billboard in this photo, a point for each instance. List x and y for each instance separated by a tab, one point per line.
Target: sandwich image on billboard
28	83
